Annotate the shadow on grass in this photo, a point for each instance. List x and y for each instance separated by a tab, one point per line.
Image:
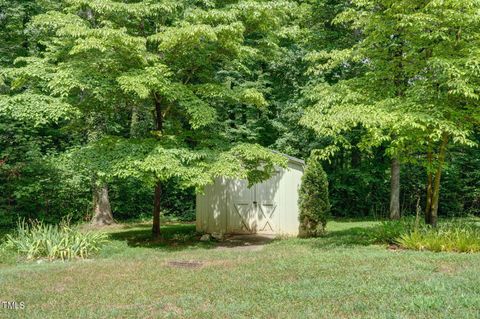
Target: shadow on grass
184	236
179	236
355	236
371	234
173	236
341	234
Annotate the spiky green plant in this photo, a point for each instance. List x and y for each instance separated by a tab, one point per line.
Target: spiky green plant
454	237
36	240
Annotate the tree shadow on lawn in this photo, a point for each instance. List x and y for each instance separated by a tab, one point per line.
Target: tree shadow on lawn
182	236
355	236
371	234
178	236
173	236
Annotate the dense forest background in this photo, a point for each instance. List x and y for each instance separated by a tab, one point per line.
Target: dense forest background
261	50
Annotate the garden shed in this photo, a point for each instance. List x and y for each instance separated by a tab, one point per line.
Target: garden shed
229	206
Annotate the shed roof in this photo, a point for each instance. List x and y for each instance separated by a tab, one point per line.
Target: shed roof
291	158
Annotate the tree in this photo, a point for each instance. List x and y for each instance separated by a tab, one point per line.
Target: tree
421	56
102	211
183	62
16	14
81	83
313	200
312	29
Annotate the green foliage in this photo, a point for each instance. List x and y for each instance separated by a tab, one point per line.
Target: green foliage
150	160
15	15
362	178
413	90
80	81
389	231
449	237
251	162
408	106
461	186
34	181
38	240
103	72
35	109
132	199
314	203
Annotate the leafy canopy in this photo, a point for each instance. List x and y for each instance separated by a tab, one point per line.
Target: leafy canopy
186	62
417	80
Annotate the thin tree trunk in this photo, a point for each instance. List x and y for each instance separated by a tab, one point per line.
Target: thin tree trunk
428	206
158	114
436	183
395	189
400	81
158	186
134	121
417	215
102	211
156	210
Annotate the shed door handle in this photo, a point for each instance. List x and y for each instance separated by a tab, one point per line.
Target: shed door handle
255	202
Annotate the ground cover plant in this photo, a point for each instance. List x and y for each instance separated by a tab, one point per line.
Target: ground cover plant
410	233
36	240
453	236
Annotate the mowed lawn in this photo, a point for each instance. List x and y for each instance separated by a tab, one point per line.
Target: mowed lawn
339	276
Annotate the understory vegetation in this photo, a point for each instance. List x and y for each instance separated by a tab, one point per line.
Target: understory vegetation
37	240
450	235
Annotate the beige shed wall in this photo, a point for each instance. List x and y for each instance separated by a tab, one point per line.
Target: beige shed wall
216	211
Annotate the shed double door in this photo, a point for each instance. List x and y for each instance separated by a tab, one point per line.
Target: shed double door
252	210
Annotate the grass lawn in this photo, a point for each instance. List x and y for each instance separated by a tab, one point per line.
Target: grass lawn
340	276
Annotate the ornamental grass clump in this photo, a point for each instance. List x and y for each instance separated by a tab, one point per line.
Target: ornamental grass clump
36	240
448	237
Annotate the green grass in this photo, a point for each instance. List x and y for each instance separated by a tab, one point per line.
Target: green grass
342	275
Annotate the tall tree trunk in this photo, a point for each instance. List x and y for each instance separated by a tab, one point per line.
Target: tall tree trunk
395	189
400	81
436	183
102	211
156	210
134	121
158	187
428	206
